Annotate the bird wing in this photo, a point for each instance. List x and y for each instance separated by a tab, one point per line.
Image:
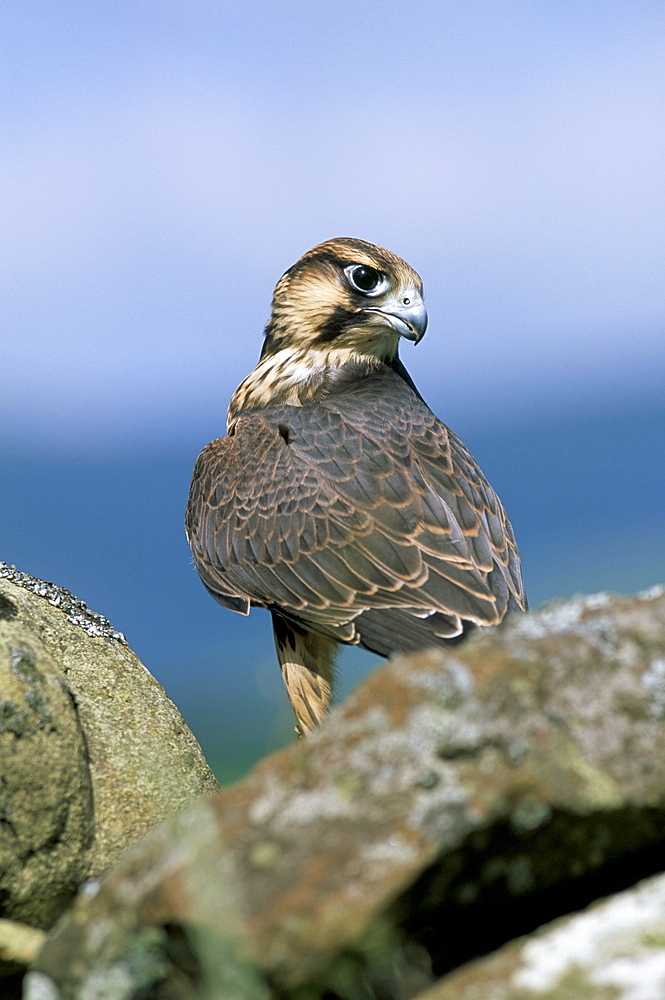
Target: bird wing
339	510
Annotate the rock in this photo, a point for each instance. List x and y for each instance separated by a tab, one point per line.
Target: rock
47	811
453	802
19	943
615	949
92	752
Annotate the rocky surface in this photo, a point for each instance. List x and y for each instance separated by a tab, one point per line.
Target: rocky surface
92	752
615	950
47	811
454	802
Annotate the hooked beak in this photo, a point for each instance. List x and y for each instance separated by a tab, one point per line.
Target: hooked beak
406	314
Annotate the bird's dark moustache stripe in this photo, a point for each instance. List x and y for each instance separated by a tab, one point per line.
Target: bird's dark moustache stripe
334	326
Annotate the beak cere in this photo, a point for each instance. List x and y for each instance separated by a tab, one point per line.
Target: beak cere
407	315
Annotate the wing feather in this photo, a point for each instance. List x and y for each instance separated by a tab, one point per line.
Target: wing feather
369	507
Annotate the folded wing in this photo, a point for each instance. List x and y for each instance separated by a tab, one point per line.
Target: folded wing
361	516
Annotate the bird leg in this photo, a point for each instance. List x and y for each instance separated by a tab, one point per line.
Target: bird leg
308	664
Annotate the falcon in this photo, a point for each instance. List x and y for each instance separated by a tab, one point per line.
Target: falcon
338	501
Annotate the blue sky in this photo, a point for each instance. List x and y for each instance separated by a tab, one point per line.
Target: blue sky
164	162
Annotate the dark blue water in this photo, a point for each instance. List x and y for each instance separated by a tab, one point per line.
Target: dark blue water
586	496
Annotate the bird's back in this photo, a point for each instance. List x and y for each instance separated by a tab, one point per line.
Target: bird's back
358	514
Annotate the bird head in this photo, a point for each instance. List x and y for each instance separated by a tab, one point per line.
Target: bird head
346	295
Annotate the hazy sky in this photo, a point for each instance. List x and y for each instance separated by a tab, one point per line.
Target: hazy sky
163	162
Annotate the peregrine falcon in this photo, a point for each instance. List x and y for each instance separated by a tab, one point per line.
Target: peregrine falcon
338	500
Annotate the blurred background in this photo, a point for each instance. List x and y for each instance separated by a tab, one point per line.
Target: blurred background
164	161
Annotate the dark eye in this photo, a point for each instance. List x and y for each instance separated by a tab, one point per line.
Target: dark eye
366	279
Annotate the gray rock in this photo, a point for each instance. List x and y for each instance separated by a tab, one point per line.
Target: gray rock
448	797
92	752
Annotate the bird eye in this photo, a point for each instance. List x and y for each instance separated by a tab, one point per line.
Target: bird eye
366	279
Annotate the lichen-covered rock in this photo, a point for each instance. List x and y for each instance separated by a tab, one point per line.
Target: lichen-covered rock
46	806
615	949
452	800
92	752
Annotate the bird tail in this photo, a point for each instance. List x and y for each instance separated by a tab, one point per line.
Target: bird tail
308	667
